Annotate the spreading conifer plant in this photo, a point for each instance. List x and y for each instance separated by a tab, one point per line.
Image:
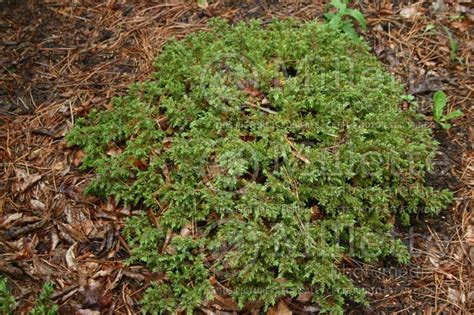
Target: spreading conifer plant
261	155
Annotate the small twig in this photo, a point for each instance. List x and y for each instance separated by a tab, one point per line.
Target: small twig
296	153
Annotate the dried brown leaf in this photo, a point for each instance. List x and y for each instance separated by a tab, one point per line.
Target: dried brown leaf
11	218
281	308
108	242
411	12
305	297
186	230
77	158
37	205
470	235
463	26
114	151
253	92
456	296
15	232
71	257
87	311
40	268
225	303
25	180
134	275
54	240
36	154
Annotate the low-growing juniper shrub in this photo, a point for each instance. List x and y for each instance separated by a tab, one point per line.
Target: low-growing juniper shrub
262	156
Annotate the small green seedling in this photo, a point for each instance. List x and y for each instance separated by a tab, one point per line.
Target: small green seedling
430	29
202	4
339	21
439	103
408	98
456	17
453	46
44	305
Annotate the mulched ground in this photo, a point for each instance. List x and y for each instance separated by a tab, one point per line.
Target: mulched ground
58	61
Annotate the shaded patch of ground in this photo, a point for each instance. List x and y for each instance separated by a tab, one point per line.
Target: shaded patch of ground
58	61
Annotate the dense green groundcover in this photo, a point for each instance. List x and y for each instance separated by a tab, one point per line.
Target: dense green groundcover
265	153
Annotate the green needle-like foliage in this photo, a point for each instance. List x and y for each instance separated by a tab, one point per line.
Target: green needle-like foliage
8	303
262	155
45	304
